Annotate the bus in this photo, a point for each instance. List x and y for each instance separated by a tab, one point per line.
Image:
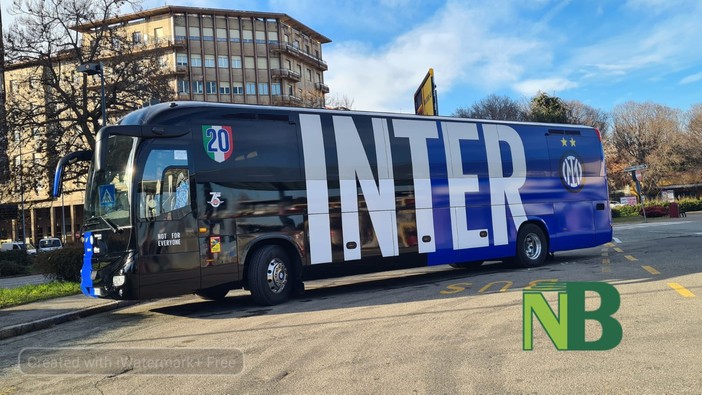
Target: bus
203	198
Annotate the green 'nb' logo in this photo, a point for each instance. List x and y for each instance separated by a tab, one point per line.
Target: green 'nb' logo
567	330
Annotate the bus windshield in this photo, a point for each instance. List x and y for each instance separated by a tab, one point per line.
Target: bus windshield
108	194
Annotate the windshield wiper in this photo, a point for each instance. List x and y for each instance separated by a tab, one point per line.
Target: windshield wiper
111	224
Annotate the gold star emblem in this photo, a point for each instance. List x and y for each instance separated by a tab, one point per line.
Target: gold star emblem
572	142
564	141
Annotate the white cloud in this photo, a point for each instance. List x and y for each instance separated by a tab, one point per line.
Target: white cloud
464	45
691	78
548	85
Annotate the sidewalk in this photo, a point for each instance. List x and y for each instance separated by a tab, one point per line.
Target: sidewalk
18	320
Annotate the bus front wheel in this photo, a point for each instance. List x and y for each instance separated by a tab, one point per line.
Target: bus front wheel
270	275
532	246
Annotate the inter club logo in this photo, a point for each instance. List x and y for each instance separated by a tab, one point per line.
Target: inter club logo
571	170
218	142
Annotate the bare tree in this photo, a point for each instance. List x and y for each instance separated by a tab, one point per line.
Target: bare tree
649	133
582	114
59	107
494	107
339	102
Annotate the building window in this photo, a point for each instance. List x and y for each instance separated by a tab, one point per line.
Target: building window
136	37
309	75
183	86
296	44
273	37
236	62
319	77
180	33
196	60
263	88
194	33
249	62
237	88
250	88
299	70
234	36
209	61
248	36
262	63
181	59
224	88
207	34
275	89
158	34
197	87
222	61
260	37
211	87
221	34
307	48
275	63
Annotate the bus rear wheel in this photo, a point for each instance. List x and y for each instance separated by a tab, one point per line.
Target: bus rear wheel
532	246
270	275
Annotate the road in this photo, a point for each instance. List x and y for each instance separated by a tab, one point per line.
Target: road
427	330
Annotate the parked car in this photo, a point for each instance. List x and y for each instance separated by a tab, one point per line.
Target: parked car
18	245
50	244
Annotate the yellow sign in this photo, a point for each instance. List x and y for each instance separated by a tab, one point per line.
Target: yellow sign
215	245
425	102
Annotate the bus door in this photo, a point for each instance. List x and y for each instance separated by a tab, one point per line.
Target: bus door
166	225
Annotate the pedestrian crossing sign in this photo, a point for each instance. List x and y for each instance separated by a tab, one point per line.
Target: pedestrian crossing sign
107	195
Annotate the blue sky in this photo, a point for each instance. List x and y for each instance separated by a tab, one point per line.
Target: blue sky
599	52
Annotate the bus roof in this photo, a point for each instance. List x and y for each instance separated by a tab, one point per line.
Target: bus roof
172	113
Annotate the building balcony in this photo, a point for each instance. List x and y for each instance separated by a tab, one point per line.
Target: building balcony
286	100
285	74
300	54
321	87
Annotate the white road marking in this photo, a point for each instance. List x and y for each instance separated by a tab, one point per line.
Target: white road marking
616	240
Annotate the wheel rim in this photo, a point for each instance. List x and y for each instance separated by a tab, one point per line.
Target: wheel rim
532	246
277	275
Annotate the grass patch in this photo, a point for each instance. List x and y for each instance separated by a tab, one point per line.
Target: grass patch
33	293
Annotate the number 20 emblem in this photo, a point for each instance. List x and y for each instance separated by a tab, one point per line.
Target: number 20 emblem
218	142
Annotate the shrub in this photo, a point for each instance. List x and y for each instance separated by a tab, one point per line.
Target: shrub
655	211
62	265
12	268
16	256
625	211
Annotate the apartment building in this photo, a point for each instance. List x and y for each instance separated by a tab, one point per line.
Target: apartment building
215	55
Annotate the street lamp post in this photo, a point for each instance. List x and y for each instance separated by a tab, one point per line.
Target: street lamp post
92	69
21	176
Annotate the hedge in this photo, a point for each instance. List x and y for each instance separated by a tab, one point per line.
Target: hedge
657	207
62	265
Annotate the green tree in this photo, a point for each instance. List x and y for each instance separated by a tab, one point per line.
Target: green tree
548	109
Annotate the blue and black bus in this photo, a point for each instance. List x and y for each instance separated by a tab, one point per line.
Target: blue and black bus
202	198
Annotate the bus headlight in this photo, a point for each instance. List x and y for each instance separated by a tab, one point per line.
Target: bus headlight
118	281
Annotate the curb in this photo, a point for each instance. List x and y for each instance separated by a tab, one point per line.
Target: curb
21	329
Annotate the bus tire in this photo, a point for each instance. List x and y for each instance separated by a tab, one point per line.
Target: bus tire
532	246
466	265
214	293
270	275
